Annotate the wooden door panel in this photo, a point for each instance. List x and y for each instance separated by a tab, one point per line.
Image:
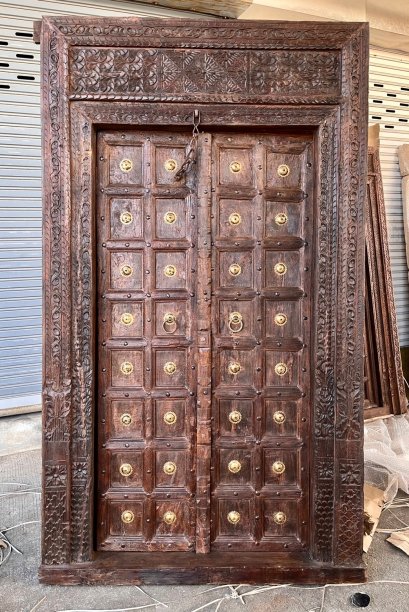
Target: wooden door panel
146	306
261	274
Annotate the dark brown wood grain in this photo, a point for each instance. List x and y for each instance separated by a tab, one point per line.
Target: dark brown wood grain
94	118
384	384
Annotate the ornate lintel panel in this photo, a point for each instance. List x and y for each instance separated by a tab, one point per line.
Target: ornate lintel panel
86	61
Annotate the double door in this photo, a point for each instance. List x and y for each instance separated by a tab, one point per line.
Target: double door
204	301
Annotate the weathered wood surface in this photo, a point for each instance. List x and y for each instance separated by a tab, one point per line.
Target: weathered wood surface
301	102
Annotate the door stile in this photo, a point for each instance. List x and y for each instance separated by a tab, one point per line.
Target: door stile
204	354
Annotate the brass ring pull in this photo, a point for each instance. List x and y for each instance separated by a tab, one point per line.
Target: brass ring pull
279	518
170	217
235	166
169	322
234	466
281	218
170	165
279	417
235	322
169	368
283	170
235	417
280	268
127	516
169	517
169	468
280	318
126	469
126	318
278	467
170	271
126	270
233	517
234	367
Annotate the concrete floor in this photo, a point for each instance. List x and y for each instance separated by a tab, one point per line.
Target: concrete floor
20	591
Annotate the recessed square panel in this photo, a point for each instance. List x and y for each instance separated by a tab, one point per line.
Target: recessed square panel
168	161
126	469
282	269
236	318
125	518
281	368
126	218
235	518
170	418
236	417
125	165
235	218
173	522
282	319
234	467
171	319
235	269
235	166
280	518
126	269
171	469
283	219
170	368
170	270
127	368
281	467
127	319
237	367
170	215
281	418
126	419
285	170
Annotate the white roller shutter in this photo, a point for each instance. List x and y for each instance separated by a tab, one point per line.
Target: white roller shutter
20	185
389	106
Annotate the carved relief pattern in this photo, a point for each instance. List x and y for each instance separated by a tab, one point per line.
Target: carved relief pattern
136	72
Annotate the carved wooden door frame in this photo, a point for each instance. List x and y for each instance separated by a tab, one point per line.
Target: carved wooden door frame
88	82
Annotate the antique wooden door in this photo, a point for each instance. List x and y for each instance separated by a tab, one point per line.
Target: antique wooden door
203	377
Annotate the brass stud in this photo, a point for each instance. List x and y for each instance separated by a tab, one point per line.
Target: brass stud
233	517
280	268
126	217
170	165
126	165
126	368
279	518
127	516
235	417
126	419
281	369
169	367
280	318
234	367
126	318
279	417
169	468
170	271
235	219
170	418
126	270
169	517
235	166
235	269
126	469
281	219
170	217
283	170
278	467
234	466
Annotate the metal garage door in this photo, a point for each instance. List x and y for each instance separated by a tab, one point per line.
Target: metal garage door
389	106
20	187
